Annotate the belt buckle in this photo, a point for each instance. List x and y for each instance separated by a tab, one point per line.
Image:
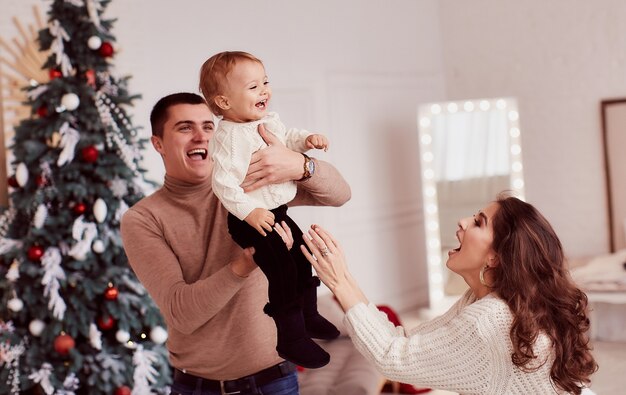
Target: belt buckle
223	391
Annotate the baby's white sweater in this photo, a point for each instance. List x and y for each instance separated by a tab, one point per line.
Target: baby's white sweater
466	350
232	147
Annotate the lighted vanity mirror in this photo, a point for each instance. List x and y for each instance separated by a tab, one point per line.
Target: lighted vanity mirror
470	151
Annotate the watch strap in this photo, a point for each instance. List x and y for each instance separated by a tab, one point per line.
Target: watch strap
307	172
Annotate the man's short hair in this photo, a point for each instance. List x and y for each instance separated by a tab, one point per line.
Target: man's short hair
159	114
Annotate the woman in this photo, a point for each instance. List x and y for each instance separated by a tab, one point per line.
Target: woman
520	328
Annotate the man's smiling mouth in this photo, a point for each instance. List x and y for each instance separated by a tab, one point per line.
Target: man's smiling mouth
197	153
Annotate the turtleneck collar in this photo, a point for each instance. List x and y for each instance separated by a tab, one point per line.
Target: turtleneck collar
185	188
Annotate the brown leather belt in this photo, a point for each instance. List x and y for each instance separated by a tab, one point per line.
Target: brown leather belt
239	385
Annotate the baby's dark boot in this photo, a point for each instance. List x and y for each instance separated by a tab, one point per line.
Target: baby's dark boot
316	326
293	343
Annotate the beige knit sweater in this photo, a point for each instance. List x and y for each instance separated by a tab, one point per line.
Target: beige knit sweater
232	147
178	244
466	350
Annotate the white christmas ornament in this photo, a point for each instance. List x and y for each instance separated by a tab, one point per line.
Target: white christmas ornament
158	334
98	246
69	139
84	233
13	274
40	216
95	337
21	174
70	101
15	304
122	336
144	374
52	278
94	42
100	210
36	327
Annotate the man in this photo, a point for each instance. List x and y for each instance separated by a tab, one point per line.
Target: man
206	287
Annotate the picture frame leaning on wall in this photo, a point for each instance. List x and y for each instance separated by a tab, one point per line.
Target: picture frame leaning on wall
613	116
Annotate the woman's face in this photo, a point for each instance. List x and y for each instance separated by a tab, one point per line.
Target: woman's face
476	237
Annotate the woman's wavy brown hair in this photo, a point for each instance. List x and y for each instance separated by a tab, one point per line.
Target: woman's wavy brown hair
533	279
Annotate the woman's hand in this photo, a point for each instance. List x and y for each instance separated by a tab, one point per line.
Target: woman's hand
329	262
272	165
327	257
284	231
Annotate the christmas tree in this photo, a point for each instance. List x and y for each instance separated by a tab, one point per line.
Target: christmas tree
73	317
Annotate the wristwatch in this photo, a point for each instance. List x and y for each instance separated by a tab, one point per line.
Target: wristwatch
309	168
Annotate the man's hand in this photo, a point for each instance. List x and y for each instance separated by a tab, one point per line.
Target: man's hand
272	165
284	231
244	265
261	220
318	141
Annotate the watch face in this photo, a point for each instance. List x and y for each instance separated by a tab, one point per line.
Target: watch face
311	167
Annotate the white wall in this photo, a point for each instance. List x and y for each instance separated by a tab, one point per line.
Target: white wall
560	58
355	70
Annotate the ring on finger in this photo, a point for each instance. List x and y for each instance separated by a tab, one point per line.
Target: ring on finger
325	251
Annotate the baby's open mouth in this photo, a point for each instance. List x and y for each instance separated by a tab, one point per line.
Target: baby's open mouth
261	105
197	154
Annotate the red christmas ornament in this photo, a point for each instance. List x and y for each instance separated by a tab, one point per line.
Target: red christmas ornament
41	180
64	343
12	181
90	76
54	73
35	253
89	154
111	293
79	208
42	111
106	50
123	390
106	322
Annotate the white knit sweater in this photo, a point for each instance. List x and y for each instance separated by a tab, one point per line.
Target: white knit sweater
232	147
466	350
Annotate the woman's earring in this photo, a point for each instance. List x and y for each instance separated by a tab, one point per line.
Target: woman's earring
482	276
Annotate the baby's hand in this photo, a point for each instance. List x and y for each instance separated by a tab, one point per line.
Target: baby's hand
261	220
318	141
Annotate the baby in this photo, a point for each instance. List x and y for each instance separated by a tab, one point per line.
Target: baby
236	88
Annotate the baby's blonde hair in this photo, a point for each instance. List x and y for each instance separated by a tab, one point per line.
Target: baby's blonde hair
214	72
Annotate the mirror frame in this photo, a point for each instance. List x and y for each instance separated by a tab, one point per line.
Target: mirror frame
429	188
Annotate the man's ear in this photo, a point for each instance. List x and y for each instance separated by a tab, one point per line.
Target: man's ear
222	102
157	143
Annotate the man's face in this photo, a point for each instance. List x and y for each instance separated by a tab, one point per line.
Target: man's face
185	142
247	92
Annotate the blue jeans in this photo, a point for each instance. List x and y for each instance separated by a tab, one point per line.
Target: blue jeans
287	385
